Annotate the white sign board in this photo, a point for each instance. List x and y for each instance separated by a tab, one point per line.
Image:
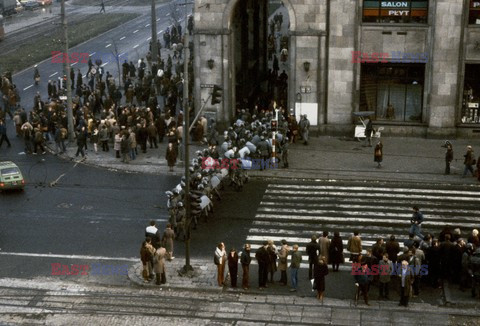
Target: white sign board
310	109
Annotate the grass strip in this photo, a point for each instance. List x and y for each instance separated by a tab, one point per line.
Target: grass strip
40	47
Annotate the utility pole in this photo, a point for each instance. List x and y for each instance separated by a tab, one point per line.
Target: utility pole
66	62
154	33
186	131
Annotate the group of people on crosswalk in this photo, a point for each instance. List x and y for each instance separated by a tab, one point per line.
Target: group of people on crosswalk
422	259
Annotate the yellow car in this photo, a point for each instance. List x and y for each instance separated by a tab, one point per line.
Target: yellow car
10	176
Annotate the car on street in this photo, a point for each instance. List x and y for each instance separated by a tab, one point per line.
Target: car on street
10	176
30	5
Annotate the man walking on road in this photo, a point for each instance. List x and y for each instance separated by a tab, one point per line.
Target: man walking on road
103	7
416	220
3	134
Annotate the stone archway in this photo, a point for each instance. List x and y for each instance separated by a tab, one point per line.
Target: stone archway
249	56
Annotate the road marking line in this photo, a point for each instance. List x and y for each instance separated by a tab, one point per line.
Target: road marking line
121	54
84	76
135	31
108	45
158	19
27	254
73	64
148	39
53	74
147	25
104	64
168	14
91	54
27	87
160	31
370	189
136	46
122	38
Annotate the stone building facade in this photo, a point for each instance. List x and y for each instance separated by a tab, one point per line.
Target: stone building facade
413	63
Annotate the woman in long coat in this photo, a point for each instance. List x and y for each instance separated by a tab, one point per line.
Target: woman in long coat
320	270
171	156
233	266
159	265
378	154
336	251
167	239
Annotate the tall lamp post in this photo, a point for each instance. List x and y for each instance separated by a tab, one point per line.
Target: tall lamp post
154	33
187	268
71	133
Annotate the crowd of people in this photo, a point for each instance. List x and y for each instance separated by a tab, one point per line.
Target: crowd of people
425	259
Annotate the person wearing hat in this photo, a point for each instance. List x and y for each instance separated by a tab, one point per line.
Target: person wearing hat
469	161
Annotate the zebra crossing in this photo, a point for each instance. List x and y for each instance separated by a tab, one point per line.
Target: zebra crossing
296	211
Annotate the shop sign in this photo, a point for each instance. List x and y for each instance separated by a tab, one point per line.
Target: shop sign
475	4
394	57
395	4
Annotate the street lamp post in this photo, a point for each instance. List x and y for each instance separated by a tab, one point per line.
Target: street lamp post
187	268
154	33
71	133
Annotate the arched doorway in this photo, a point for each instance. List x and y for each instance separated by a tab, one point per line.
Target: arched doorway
260	53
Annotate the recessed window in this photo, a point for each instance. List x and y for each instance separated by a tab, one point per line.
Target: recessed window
474	16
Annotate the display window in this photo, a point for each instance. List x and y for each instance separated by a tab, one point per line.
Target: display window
409	11
393	91
474	13
471	95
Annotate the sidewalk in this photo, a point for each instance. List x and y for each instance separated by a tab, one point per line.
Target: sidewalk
325	157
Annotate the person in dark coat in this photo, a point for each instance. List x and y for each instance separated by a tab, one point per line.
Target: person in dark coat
392	248
245	260
448	156
81	142
378	154
433	257
263	259
171	156
336	251
319	272
233	267
142	138
313	249
447	258
368	132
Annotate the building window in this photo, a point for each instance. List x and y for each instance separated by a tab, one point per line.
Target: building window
393	91
474	15
471	95
409	11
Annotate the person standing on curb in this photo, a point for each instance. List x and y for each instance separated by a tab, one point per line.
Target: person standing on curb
283	262
385	269
146	256
295	262
448	156
263	259
405	283
304	125
233	267
245	260
220	258
159	265
469	161
81	142
312	248
320	271
167	240
378	154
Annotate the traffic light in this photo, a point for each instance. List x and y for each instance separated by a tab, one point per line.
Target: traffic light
216	94
274	125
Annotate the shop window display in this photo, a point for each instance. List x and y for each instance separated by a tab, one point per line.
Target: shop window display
393	91
474	13
409	11
471	95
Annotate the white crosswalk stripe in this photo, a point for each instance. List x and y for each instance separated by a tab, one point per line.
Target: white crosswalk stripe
296	211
